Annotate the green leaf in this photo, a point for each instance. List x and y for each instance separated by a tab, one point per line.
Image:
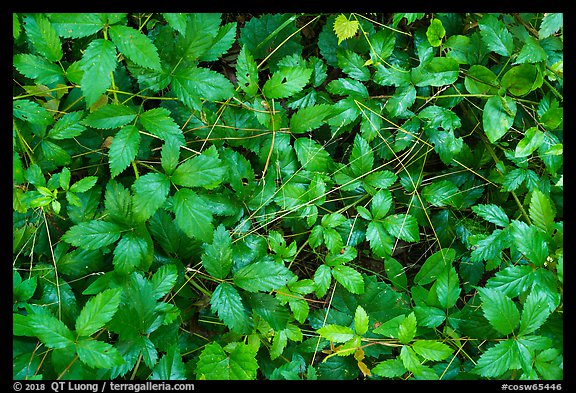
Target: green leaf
410	359
123	149
402	226
176	20
205	170
77	25
390	368
352	64
481	80
163	280
434	265
110	116
150	193
97	311
221	43
98	354
68	126
98	62
432	350
360	320
192	215
435	32
201	29
407	328
43	36
217	257
51	331
531	242
336	333
438	71
521	80
429	316
160	123
350	278
497	359
227	303
38	68
31	112
443	193
322	280
347	87
381	243
345	28
541	211
499	310
262	276
403	98
532	140
133	251
534	313
135	46
492	213
531	52
92	235
247	72
199	83
395	273
551	23
498	116
170	367
362	156
495	35
312	155
309	118
236	361
447	287
286	82
84	184
512	281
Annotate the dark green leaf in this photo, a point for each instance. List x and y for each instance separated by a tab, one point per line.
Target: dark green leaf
380	240
551	23
160	123
498	116
198	83
480	80
68	126
98	354
262	276
192	215
439	71
542	212
97	312
205	170
247	72
534	313
134	251
98	63
150	193
123	149
170	366
495	35
221	43
31	112
402	226
521	80
407	328
434	265
110	116
497	359
286	82
402	99
43	36
38	68
442	193
492	213
76	25
227	303
51	331
312	155
217	257
352	64
447	288
499	310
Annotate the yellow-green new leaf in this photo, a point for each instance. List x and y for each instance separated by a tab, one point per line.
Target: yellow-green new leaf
345	28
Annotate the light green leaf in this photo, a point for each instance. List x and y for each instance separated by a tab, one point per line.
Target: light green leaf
402	226
512	281
92	235
97	311
84	184
429	316
432	350
262	276
403	98
135	46
497	359
286	82
480	80
498	116
350	278
51	331
551	23
205	170
170	367
522	79
227	303
236	361
110	116
531	52
435	32
176	20
410	359
150	193
531	141
345	28
192	215
98	62
530	241
541	211
322	280
217	257
160	123
499	310
492	213
123	149
407	328
98	354
31	112
347	87
336	333
390	368
360	320
43	36
362	156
